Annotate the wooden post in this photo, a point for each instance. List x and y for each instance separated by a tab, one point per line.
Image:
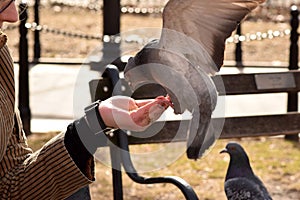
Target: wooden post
293	63
238	49
111	17
111	27
23	72
37	44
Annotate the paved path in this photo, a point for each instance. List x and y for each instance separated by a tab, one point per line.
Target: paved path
52	92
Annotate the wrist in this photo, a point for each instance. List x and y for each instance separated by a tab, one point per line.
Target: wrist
106	113
89	139
94	119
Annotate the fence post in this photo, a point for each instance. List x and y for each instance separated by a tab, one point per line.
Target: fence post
293	63
111	26
238	49
37	44
111	17
23	71
115	152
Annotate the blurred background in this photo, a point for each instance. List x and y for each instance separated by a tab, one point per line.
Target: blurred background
78	26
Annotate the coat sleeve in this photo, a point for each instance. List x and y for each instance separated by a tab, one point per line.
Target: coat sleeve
6	121
7	98
54	172
57	170
78	152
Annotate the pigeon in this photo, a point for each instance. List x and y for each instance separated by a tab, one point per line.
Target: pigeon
183	60
241	183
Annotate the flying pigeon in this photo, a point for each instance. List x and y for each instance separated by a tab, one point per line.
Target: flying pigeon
189	51
241	183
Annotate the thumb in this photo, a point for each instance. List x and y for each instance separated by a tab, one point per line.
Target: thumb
155	112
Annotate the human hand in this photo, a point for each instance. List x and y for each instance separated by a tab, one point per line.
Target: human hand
126	113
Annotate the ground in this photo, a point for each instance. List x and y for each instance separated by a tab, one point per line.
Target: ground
275	160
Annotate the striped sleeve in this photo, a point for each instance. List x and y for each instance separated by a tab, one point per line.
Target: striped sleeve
6	122
7	98
51	173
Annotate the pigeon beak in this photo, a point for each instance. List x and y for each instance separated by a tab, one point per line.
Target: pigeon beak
224	151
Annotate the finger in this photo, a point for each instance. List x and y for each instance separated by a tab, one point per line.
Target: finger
165	102
150	112
132	121
155	112
141	103
161	99
119	118
123	102
141	118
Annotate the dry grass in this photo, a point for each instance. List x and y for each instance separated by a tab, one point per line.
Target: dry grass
275	160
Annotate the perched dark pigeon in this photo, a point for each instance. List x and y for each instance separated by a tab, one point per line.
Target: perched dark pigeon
241	183
189	51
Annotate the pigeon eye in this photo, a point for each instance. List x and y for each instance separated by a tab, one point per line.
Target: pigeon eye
232	148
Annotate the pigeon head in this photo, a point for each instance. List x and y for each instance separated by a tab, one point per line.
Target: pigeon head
156	65
233	148
239	162
137	71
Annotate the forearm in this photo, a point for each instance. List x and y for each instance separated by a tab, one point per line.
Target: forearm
82	143
80	155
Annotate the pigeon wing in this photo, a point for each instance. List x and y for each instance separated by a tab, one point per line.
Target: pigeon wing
262	188
241	188
207	24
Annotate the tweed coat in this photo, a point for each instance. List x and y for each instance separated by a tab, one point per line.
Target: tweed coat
57	170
